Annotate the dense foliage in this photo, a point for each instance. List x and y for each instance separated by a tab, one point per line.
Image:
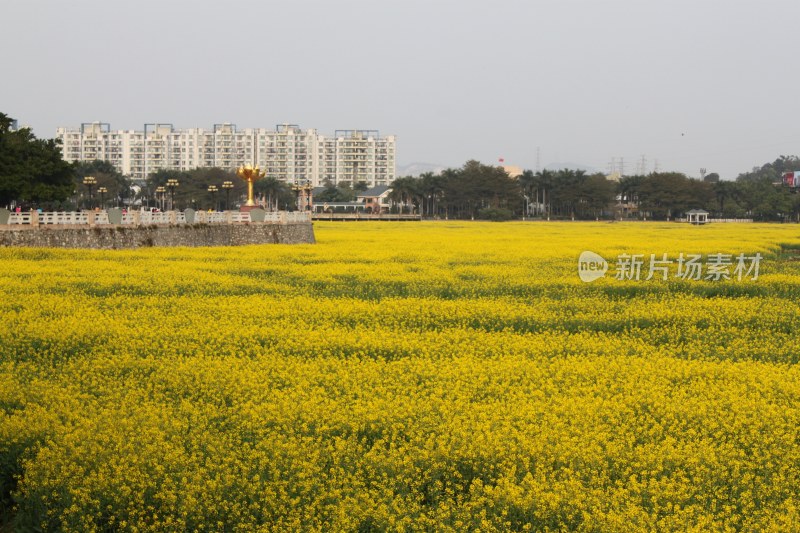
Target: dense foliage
428	376
192	189
459	193
32	171
574	194
117	187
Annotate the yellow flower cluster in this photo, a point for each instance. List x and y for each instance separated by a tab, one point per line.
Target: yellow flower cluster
441	376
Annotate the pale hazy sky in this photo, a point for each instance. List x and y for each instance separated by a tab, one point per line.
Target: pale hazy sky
690	83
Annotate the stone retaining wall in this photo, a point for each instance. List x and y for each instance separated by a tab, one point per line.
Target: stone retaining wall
112	237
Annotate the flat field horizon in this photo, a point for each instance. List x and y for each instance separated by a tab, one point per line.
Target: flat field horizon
444	376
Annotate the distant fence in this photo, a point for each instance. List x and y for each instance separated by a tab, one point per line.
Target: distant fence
364	216
723	220
146	218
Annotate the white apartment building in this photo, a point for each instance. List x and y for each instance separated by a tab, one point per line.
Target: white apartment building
288	152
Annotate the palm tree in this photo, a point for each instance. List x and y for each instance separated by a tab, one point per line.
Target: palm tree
545	180
405	191
724	190
528	183
629	187
431	188
271	189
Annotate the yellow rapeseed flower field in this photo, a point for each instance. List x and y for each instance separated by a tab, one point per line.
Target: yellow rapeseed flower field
441	376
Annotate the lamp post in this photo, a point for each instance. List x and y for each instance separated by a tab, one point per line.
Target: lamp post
160	191
303	191
213	190
227	185
171	185
102	191
90	182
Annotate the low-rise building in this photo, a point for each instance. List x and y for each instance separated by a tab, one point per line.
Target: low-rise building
376	200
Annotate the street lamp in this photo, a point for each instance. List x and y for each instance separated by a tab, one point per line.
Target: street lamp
227	185
160	191
213	190
90	182
102	191
303	191
171	184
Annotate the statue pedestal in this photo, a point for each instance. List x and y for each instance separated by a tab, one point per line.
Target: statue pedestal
248	208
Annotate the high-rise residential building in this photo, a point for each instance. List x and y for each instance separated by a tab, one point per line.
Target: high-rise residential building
288	152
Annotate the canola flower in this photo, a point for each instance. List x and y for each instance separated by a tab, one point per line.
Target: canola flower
437	376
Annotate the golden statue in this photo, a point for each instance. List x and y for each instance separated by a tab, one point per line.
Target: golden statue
250	175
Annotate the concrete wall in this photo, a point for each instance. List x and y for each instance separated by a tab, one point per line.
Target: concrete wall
110	237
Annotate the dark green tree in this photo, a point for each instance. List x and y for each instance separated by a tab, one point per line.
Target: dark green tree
430	188
629	187
595	196
345	192
566	192
118	186
475	186
32	171
771	172
528	186
406	193
276	194
667	195
329	194
192	190
763	199
727	194
545	180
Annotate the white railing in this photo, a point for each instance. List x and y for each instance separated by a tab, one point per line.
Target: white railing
721	220
296	216
20	218
365	216
101	218
68	217
215	217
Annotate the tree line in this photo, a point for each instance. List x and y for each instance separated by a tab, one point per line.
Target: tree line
34	174
482	191
32	170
